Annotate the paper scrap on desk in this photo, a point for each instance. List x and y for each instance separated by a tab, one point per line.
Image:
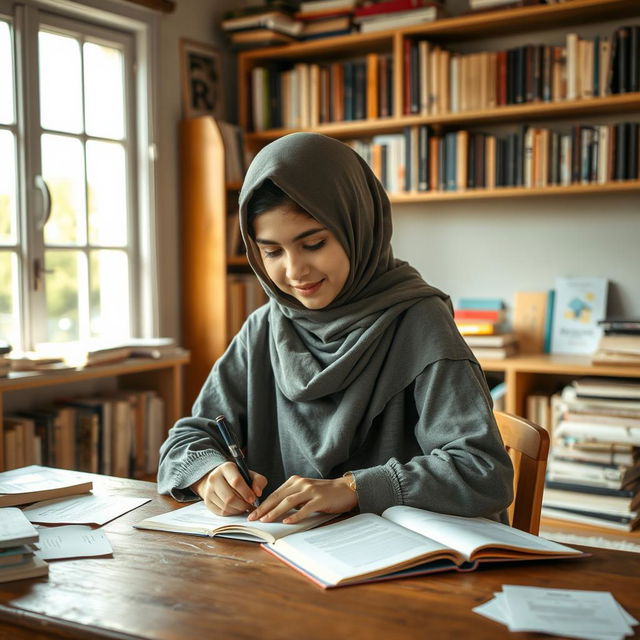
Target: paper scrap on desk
72	541
590	615
85	509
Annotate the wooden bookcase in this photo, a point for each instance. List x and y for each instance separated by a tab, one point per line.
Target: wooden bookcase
494	24
163	375
546	373
207	266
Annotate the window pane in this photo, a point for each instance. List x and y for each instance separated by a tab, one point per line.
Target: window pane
60	83
109	295
7	111
107	178
62	295
63	170
104	91
7	188
9	321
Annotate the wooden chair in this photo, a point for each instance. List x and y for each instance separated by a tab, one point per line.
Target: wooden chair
528	447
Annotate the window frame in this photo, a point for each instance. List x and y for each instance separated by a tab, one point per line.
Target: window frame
129	27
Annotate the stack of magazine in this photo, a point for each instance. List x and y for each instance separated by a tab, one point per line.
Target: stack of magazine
593	475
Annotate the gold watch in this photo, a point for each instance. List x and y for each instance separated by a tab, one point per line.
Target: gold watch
351	481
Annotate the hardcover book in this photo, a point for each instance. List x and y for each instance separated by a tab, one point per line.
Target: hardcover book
406	541
580	303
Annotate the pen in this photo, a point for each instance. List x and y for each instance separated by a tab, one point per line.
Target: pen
235	451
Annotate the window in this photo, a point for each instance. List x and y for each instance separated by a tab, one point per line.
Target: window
72	159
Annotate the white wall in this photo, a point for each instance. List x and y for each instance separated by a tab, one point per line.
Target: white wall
495	248
196	20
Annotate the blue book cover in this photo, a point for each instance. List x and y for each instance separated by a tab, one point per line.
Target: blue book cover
580	303
485	304
548	324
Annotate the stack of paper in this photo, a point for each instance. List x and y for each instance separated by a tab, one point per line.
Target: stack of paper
592	615
17	560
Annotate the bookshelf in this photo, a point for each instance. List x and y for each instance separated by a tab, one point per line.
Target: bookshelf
218	288
533	373
443	33
163	375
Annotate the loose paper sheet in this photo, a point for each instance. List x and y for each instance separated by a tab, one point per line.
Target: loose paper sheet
72	541
85	509
563	611
590	615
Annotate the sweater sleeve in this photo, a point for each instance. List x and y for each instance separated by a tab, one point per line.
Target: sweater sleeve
192	447
464	468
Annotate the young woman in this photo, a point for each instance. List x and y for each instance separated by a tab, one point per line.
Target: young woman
352	387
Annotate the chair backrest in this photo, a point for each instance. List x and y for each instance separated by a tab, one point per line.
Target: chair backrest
528	447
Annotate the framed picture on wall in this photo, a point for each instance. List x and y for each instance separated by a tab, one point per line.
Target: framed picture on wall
201	80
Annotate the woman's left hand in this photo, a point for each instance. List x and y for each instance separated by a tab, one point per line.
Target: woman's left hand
307	495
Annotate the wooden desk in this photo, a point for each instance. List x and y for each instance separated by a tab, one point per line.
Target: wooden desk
168	586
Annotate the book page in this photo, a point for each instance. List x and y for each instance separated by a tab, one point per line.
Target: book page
72	541
468	535
84	509
197	519
361	546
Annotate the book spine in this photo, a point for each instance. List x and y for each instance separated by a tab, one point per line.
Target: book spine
634	58
423	155
414	70
372	88
623	60
584	488
548	323
450	164
407	77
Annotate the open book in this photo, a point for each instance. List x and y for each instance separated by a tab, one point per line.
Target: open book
197	520
405	541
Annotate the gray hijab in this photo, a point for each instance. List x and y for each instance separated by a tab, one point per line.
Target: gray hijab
374	339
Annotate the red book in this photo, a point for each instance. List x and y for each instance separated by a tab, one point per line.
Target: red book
406	77
478	314
391	6
502	77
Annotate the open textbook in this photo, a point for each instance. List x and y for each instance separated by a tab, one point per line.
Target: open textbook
405	541
197	520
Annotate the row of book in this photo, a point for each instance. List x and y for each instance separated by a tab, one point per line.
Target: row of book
119	435
593	473
439	81
419	160
245	295
310	93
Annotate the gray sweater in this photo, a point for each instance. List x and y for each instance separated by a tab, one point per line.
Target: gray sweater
434	446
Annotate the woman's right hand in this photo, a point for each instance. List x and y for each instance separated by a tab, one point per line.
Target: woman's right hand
225	492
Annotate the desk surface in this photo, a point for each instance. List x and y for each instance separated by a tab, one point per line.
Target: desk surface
167	586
